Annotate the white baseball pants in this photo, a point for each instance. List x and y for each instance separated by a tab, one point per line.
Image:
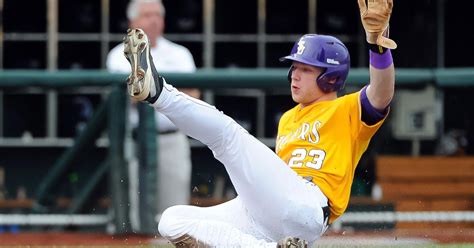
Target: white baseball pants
273	202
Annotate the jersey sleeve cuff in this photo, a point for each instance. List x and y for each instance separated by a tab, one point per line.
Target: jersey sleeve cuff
370	115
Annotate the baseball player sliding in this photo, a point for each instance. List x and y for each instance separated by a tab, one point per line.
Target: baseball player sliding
287	198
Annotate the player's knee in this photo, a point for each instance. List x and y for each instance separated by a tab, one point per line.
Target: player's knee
169	222
303	218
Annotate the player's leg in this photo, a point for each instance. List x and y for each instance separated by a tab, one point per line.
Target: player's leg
279	201
224	225
266	184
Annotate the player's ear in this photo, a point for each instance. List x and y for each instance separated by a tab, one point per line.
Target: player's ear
332	80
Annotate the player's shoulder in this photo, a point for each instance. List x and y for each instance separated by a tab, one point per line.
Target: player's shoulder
289	113
349	97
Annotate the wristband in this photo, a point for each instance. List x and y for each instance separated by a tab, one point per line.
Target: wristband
381	60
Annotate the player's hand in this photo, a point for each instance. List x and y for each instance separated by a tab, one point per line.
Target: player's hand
375	16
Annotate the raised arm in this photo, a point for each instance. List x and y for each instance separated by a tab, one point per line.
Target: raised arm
375	16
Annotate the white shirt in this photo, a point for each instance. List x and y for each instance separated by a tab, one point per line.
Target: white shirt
167	57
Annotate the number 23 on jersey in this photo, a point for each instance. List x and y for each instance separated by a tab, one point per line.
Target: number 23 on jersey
313	158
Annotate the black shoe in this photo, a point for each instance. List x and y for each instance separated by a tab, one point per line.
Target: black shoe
292	242
143	75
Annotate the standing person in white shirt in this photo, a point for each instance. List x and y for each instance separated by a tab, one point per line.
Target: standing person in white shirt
174	172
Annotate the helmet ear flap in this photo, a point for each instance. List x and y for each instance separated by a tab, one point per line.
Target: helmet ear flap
323	83
290	71
324	79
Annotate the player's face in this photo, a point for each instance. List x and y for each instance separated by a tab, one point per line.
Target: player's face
304	89
150	19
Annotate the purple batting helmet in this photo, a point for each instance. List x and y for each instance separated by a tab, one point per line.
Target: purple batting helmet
326	52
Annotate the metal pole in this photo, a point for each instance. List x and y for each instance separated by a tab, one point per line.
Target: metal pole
52	113
312	14
52	65
209	11
118	164
148	192
52	62
104	41
262	17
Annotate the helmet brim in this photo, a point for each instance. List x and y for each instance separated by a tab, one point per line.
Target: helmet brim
304	61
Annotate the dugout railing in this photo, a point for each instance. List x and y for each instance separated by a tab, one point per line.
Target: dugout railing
111	115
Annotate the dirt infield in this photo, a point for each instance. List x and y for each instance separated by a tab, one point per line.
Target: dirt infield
56	238
399	235
370	237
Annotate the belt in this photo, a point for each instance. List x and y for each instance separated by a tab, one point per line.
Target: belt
168	131
326	214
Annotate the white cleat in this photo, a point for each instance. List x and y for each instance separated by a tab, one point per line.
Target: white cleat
143	75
